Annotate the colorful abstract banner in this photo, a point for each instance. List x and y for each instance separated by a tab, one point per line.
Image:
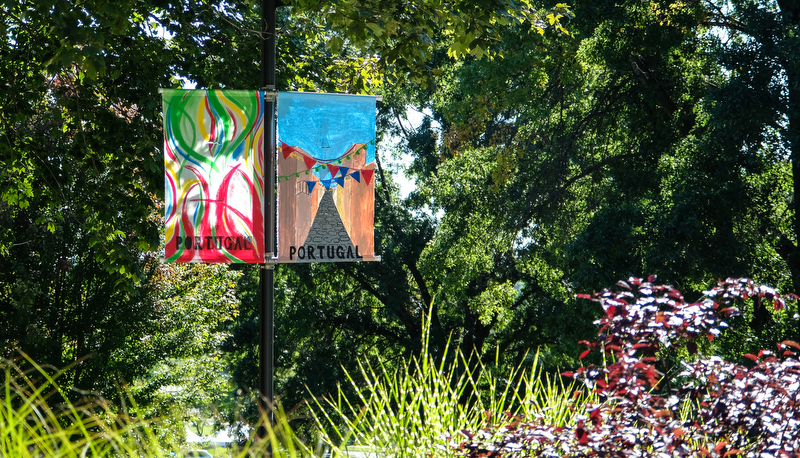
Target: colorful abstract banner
213	143
326	190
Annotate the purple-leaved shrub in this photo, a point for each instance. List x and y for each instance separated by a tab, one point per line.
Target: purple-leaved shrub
713	408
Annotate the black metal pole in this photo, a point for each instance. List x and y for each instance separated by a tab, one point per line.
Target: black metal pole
267	277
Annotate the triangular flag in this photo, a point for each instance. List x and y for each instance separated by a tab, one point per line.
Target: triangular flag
334	169
339	180
356	176
311	185
327	184
344	170
286	150
367	175
310	162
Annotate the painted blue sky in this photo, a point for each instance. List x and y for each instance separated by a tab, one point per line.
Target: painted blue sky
326	125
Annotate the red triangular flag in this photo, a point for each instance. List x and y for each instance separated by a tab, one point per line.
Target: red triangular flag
367	174
334	169
286	150
310	162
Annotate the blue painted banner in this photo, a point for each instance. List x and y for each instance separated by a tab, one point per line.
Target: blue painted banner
326	140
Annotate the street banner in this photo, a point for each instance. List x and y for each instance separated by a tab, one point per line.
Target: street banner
214	186
326	183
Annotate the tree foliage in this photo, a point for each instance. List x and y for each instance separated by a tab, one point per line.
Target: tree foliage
652	137
656	137
405	36
639	142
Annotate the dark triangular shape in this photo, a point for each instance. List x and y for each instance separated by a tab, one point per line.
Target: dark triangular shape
328	240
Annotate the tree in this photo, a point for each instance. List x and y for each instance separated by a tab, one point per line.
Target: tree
405	36
82	187
641	143
570	162
764	37
655	137
328	314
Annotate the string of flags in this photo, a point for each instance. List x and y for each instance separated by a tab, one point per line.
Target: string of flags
337	171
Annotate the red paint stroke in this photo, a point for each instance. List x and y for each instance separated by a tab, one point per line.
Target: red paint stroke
224	210
232	118
205	221
188	231
173	204
168	149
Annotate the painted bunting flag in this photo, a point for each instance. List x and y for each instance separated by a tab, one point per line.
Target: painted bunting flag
214	187
326	185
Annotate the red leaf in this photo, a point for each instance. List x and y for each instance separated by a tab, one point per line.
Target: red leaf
791	343
581	435
720	445
594	416
751	356
584	296
568	374
675	294
779	304
583	355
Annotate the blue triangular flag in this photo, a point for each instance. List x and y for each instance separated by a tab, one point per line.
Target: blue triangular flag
339	180
311	185
356	176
